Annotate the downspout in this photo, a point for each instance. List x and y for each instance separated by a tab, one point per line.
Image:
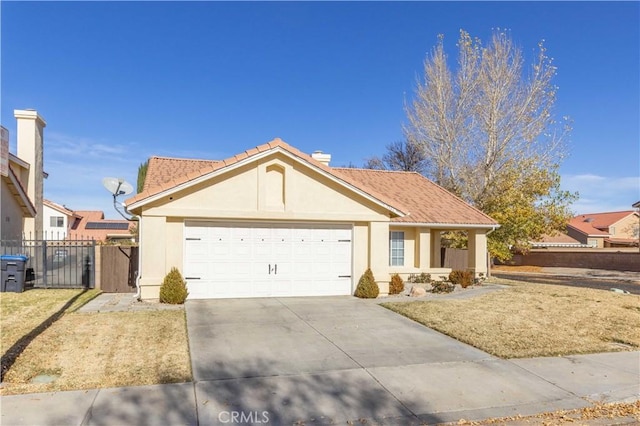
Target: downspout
488	255
138	275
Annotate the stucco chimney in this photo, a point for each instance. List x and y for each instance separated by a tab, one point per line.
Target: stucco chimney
321	157
30	144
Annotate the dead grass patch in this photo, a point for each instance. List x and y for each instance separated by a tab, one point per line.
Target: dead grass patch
97	350
21	313
531	320
83	351
515	268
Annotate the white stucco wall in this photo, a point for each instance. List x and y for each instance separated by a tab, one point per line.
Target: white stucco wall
52	232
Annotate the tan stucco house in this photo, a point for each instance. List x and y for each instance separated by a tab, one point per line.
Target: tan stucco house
605	229
21	179
274	221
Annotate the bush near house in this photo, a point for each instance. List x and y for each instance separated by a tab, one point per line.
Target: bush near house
367	287
422	278
174	288
464	278
441	287
396	286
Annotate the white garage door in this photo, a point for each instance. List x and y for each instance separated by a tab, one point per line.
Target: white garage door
266	260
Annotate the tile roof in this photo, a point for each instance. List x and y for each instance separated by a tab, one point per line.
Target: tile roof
416	198
597	224
602	220
586	228
426	201
78	229
164	169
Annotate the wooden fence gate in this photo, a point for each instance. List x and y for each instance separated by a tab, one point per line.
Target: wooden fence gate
119	269
456	259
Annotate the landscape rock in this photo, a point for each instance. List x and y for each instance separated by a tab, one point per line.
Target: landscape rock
417	291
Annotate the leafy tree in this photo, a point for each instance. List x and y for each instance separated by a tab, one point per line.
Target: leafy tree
142	175
405	156
489	135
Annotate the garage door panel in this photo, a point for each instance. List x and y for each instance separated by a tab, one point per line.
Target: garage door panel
262	260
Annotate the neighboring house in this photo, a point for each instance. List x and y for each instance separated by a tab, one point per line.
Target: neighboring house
91	225
608	229
559	240
273	221
22	177
57	220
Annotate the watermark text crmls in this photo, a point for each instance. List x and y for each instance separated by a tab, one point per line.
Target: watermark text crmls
244	417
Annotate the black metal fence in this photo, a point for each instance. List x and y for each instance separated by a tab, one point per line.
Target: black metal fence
56	263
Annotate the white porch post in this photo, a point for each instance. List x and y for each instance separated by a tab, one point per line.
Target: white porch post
424	248
477	250
379	254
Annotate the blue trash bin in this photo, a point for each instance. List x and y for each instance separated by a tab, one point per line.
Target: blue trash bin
13	268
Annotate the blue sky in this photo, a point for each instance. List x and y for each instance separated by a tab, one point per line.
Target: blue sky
118	82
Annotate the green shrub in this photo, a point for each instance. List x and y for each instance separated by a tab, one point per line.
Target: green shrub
464	278
441	287
367	287
396	286
422	278
174	288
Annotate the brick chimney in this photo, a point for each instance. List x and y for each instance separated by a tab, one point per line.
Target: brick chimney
30	144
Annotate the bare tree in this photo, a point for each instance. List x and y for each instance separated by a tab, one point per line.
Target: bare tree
403	156
488	124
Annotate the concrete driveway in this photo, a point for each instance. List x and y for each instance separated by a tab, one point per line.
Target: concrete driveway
324	360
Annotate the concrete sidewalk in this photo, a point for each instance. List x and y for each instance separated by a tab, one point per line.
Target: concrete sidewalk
398	396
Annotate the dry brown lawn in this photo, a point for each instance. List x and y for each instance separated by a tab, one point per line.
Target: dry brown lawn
20	313
627	413
95	350
515	268
531	320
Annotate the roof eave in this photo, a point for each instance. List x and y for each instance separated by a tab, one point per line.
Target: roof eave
437	225
26	205
19	161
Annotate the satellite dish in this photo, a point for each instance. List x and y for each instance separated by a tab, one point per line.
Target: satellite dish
117	186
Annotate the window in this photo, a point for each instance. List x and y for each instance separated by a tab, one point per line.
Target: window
56	221
396	248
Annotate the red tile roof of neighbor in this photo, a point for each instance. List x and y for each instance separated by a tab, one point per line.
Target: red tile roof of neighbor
596	224
416	198
78	229
603	220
